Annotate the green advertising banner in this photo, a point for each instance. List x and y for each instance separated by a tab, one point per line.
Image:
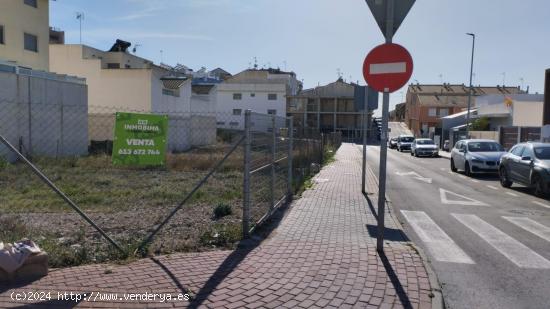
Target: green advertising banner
140	139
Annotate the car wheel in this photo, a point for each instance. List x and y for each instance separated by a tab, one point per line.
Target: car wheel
504	181
539	186
453	167
412	154
467	170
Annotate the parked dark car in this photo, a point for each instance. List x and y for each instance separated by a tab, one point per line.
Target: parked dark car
392	143
527	164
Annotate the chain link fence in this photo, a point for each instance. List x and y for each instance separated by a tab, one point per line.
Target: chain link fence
224	175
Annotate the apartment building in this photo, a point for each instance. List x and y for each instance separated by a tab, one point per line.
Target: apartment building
263	91
329	108
426	104
24	33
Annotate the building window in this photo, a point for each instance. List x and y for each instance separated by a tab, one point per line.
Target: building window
113	65
2	34
31	42
32	3
233	123
272	111
252	95
237	96
432	112
220	123
272	96
443	112
171	92
237	112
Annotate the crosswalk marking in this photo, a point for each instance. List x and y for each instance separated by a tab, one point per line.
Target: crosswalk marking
440	245
540	204
512	194
531	226
515	251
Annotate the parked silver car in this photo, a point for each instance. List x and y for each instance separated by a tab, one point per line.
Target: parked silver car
424	147
476	156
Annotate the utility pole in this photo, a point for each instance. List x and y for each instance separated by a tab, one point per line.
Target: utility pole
471	86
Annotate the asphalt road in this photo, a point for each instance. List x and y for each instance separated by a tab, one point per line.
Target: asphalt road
489	246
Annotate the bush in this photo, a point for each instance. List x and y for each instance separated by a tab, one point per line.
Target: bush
3	163
222	210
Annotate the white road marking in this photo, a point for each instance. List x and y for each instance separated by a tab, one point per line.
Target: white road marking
540	204
531	226
473	180
512	194
492	187
388	68
416	176
463	200
515	251
440	245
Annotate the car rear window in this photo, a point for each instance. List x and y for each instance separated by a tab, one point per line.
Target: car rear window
542	153
425	142
407	139
484	147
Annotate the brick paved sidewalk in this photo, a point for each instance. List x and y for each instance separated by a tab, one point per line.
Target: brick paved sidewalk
323	254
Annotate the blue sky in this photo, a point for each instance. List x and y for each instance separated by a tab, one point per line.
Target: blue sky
318	38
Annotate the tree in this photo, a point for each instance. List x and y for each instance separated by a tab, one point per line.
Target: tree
480	124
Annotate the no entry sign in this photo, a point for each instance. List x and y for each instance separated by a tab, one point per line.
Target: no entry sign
387	67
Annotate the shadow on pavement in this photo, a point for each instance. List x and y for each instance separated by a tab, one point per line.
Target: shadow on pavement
401	293
236	257
183	289
389	233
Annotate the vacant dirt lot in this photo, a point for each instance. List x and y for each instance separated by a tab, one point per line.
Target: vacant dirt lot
127	203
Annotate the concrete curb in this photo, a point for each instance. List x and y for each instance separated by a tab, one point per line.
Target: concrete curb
437	300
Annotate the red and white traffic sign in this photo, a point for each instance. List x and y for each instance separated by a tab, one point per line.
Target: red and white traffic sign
388	67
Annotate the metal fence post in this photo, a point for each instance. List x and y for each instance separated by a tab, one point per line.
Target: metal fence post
290	158
246	176
273	151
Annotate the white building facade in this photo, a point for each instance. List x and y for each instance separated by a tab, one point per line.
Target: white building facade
261	91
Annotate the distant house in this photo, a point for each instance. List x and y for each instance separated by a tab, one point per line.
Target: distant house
118	80
398	114
426	104
328	108
122	82
263	91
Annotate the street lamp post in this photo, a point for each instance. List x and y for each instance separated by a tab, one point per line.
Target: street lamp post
471	86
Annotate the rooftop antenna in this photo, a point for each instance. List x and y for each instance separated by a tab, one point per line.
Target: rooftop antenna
339	72
503	78
473	77
134	50
284	64
161	59
441	78
255	63
80	17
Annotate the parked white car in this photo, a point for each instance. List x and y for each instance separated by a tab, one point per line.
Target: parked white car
404	142
424	147
476	156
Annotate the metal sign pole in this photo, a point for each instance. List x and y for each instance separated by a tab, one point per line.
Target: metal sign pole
383	141
365	130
